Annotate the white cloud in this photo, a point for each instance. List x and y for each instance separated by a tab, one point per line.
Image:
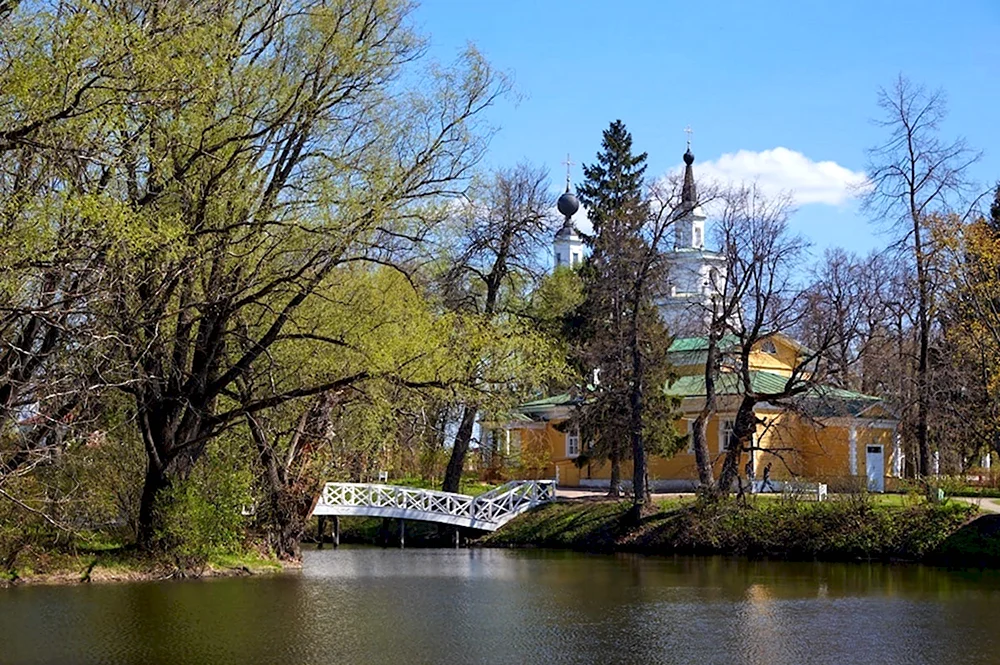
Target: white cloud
783	170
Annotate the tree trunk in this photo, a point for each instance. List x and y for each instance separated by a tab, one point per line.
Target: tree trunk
155	482
288	504
743	430
640	490
616	472
456	463
702	457
924	324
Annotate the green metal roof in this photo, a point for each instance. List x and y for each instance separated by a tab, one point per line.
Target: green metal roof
685	344
727	383
545	403
819	401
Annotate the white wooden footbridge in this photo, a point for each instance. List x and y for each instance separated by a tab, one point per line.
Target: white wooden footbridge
487	512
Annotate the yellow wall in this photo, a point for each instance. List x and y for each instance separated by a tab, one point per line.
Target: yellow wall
781	362
802	449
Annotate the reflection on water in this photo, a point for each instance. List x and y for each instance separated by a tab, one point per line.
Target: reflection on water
493	606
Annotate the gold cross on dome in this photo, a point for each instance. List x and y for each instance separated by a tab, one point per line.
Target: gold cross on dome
689	132
568	164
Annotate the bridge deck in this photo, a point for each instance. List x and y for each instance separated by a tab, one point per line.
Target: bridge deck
487	512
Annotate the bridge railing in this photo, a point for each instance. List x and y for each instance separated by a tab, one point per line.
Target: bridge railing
491	509
512	499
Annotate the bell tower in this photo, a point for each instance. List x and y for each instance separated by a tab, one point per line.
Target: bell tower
696	276
568	245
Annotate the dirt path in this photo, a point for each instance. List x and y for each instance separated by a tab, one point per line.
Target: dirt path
985	505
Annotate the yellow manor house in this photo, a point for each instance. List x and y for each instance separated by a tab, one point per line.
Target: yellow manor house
838	437
841	438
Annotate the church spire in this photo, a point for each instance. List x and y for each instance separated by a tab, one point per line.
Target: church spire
689	229
689	195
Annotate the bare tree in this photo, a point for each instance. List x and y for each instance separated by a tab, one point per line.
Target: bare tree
913	176
500	238
762	296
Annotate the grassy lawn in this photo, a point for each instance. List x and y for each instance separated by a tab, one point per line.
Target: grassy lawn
671	504
467	486
895	500
866	527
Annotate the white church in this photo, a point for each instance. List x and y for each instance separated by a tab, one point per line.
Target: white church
695	274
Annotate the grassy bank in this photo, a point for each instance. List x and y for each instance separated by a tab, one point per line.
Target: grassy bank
124	564
854	528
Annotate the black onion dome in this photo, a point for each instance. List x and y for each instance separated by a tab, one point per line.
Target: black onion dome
689	157
568	204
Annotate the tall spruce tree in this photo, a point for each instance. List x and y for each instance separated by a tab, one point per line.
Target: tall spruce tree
620	334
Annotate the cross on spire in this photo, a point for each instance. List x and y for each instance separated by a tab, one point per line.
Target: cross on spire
689	132
568	164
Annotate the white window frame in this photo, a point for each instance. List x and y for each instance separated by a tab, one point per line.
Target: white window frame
725	432
574	259
573	443
768	347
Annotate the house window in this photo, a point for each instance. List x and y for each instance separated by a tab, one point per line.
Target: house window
573	443
767	346
558	259
697	237
575	258
725	435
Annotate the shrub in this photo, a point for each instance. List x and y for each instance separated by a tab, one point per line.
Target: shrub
203	516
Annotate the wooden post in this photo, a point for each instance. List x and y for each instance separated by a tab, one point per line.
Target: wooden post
320	527
457	535
336	531
402	533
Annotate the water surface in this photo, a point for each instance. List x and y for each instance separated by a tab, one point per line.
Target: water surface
496	606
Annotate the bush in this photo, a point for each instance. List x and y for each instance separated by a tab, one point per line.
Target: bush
203	516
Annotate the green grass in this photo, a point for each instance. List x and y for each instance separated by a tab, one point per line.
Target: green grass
467	486
896	500
848	528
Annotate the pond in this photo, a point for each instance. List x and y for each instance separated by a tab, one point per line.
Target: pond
361	605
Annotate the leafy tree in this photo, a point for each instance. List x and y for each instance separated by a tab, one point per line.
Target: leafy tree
233	158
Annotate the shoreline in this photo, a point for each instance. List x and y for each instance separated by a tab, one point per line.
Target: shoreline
951	534
73	570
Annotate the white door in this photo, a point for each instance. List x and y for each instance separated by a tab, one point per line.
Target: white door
875	466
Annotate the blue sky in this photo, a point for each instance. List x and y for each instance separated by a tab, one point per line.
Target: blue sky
748	76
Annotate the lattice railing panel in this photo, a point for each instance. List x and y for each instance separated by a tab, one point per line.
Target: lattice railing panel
491	509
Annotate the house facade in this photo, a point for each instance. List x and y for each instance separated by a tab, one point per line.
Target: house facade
838	437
